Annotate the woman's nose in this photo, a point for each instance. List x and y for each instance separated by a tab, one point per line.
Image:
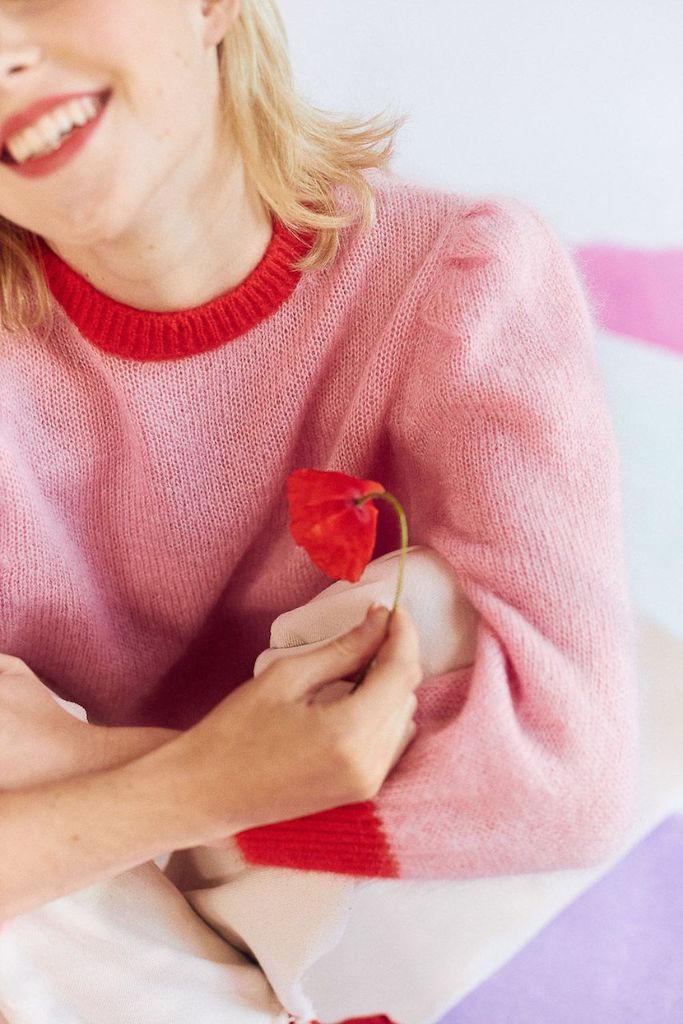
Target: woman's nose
16	59
19	53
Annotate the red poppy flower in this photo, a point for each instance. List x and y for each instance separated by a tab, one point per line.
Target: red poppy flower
338	535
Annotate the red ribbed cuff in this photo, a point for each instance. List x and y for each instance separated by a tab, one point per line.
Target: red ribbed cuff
347	840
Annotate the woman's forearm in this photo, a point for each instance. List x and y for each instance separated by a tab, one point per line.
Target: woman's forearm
110	747
90	748
63	836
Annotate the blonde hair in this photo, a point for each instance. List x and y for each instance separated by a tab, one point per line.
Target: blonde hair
294	153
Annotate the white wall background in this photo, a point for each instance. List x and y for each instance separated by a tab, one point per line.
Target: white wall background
575	108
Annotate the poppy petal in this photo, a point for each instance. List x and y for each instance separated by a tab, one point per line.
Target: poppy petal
338	535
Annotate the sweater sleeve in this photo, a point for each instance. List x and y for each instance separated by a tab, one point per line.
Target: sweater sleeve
506	461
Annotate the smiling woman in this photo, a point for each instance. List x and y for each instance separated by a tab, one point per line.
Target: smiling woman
205	285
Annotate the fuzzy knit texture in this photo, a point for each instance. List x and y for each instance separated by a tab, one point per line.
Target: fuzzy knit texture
449	353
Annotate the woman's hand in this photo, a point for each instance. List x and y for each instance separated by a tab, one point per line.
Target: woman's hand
272	751
39	740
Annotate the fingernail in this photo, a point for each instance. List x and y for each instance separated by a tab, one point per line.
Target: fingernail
376	609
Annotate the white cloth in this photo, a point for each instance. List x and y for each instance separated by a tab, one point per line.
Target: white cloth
329	947
129	950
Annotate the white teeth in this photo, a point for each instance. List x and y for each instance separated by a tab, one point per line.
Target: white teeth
76	112
19	151
47	133
33	138
62	119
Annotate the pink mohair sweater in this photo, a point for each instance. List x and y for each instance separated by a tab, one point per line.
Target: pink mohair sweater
448	353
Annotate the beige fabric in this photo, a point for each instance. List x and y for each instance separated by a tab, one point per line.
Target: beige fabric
446	621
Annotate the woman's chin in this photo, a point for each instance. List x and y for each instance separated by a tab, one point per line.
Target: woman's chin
87	229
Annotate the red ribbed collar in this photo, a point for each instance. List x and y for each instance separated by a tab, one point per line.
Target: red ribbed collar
140	334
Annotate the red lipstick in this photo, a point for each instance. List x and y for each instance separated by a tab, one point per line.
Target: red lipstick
39	165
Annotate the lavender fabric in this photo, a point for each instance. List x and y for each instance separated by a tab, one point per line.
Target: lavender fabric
614	956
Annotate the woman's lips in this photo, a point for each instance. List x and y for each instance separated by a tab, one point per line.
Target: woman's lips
38	166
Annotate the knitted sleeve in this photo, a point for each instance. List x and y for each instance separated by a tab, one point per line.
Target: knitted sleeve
506	461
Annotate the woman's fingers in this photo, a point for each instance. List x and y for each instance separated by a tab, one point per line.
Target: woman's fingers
395	666
334	659
272	654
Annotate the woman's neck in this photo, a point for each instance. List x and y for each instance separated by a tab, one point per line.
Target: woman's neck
184	256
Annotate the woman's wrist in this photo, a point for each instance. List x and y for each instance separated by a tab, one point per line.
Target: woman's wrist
111	746
171	769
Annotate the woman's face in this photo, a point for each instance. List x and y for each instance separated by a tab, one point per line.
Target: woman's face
143	73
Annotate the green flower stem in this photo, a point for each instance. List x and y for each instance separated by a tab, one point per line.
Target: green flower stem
360	675
404	534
